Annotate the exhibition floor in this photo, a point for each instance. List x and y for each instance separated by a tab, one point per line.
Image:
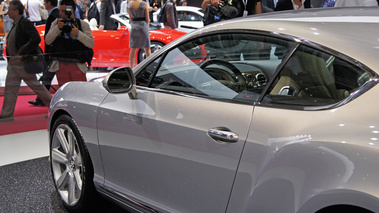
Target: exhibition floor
25	179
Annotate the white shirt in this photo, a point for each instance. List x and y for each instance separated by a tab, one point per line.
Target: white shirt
124	7
296	7
33	9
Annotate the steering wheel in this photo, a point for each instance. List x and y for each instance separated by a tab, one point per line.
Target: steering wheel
238	79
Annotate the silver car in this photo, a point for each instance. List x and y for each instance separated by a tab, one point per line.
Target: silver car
269	113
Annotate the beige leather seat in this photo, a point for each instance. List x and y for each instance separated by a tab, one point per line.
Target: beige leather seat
307	75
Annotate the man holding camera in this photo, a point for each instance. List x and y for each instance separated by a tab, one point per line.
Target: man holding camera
216	10
71	43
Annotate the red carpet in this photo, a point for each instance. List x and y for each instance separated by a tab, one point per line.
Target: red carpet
27	117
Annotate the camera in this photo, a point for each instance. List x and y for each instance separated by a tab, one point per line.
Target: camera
67	27
221	12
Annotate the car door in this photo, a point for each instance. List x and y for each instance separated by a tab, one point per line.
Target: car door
176	147
111	47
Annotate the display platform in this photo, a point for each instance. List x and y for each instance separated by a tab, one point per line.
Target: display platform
27	187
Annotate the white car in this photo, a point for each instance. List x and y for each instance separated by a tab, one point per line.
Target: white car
123	20
189	16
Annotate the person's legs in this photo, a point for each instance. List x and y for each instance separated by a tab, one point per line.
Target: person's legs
75	73
46	79
12	85
132	57
69	72
39	89
63	75
147	51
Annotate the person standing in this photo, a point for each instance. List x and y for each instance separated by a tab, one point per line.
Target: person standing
154	5
171	15
138	11
329	3
51	6
206	2
108	8
7	22
23	40
292	4
32	9
47	77
252	7
124	7
69	46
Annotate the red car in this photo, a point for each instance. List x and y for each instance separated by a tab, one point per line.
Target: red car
112	46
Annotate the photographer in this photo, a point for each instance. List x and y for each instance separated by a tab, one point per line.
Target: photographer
71	43
217	11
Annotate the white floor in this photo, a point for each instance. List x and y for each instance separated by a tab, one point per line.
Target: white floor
23	146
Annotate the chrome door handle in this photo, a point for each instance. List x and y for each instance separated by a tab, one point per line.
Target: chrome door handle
223	135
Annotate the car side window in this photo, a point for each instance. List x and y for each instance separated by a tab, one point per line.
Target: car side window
224	66
189	16
314	78
144	77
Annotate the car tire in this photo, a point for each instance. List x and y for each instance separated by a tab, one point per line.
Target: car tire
71	166
154	46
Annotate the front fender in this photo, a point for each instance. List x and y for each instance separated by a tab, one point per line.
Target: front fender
80	100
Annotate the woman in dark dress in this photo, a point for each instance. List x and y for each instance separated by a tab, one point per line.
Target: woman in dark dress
138	11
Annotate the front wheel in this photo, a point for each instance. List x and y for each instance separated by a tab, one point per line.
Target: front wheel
154	46
71	165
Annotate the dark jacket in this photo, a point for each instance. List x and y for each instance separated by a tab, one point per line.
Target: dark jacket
53	15
250	7
171	15
106	10
287	5
27	38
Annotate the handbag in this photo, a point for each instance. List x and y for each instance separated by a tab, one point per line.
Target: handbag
34	64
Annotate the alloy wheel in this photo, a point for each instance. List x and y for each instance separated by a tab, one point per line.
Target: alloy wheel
155	46
66	164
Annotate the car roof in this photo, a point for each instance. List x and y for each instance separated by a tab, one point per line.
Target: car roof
351	31
194	9
189	8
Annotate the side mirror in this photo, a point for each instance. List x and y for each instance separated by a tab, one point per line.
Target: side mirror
121	80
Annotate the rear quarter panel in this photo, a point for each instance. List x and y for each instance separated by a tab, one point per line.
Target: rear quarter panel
302	161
